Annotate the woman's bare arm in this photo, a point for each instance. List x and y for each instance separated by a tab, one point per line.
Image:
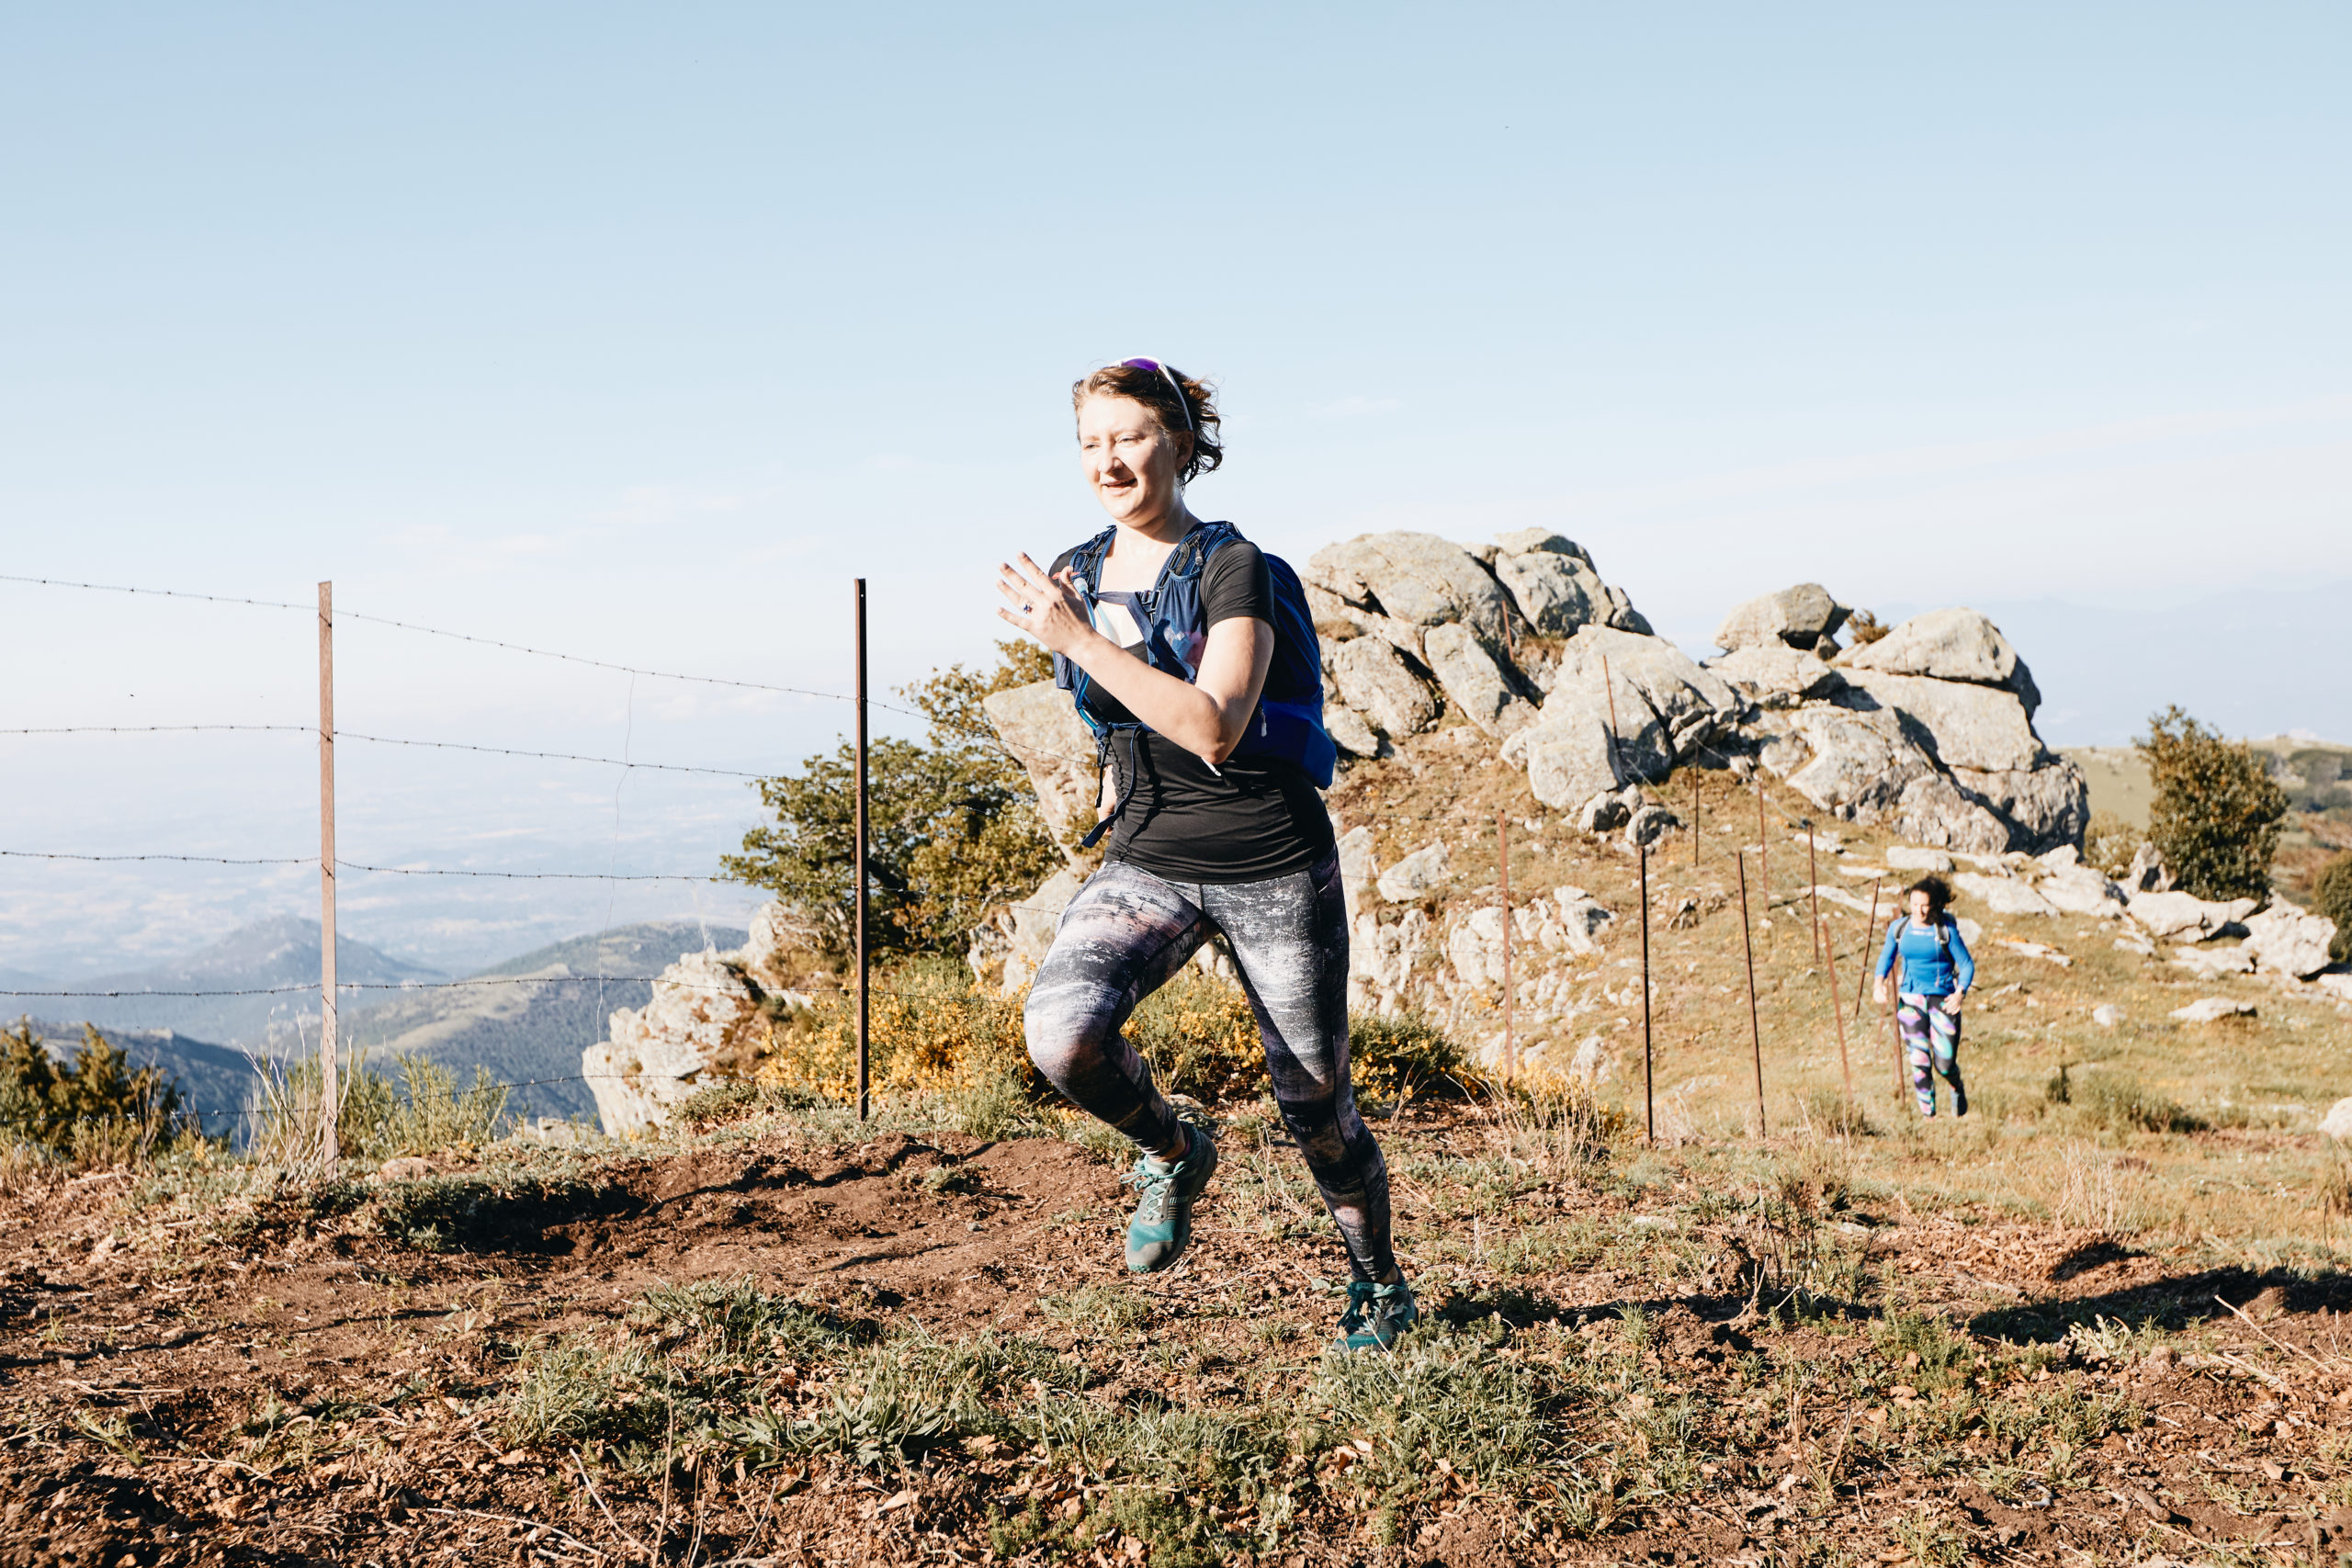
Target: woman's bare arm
1207	716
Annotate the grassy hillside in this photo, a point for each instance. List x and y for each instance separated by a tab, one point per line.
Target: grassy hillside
527	1031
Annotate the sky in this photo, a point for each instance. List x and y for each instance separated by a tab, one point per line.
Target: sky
637	333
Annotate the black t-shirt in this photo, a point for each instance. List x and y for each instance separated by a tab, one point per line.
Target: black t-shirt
1247	820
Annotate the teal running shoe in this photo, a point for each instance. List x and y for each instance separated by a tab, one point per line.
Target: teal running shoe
1162	1224
1376	1315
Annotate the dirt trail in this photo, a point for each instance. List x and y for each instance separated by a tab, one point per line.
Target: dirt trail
134	1370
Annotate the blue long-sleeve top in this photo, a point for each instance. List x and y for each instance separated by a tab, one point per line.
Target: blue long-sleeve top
1936	961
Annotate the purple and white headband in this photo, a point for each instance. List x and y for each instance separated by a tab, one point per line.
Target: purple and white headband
1183	405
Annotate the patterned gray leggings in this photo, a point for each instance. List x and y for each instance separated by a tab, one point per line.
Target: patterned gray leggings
1127	933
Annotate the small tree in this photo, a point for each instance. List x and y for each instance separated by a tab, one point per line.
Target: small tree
96	1103
2217	811
2331	897
951	826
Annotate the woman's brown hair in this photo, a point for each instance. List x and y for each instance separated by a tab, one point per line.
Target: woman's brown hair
1937	890
1180	403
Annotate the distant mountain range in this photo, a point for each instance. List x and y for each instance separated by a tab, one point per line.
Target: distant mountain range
274	959
534	1029
530	1030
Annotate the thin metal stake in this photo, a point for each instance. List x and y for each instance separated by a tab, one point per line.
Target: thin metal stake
330	1102
1649	1099
1609	684
863	1104
1870	946
1754	1027
1502	852
1894	1020
1813	891
1837	1014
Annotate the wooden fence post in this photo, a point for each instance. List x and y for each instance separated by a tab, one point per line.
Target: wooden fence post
330	1099
860	914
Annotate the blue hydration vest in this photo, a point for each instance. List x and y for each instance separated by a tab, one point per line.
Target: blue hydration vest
1288	724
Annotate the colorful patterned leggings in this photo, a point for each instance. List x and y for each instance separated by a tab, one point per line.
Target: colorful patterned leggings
1931	1039
1127	933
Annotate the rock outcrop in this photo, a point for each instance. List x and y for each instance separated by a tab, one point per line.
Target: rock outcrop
2289	941
1038	726
1805	616
705	1019
1950	644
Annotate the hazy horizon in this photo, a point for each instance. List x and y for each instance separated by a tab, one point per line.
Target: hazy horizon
638	335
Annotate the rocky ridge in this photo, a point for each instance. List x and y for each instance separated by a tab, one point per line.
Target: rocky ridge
1450	661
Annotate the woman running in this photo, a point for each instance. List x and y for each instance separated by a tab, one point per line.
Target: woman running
1937	973
1190	654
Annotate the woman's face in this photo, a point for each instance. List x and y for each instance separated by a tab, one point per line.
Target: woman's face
1128	458
1923	908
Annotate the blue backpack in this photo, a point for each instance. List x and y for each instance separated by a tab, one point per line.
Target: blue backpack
1288	724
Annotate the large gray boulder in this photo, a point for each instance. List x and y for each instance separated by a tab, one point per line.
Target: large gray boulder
699	1020
1689	701
1949	645
2184	915
2048	805
1982	728
2289	941
1802	617
1350	731
2003	894
1933	810
1623	709
1417	875
1337	621
1371	676
1854	765
1040	727
2079	889
1473	683
1411	576
1775	675
1551	580
1572	752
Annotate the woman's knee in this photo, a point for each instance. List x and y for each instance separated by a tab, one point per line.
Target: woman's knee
1065	1034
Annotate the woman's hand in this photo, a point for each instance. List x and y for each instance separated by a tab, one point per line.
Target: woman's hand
1046	606
1951	1003
1877	991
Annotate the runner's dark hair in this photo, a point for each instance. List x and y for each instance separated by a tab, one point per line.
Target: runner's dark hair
1194	419
1937	890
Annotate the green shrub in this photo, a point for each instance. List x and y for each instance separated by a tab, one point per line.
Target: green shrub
2109	843
373	1120
2217	811
1404	1055
952	826
92	1110
2331	897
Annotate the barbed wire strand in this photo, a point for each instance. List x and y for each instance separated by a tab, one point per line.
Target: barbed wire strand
202	859
968	731
378	740
156	729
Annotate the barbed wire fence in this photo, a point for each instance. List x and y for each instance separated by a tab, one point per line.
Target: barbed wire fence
330	988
